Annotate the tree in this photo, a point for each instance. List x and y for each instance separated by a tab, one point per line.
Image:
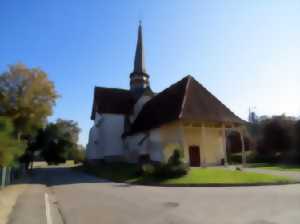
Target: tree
26	97
54	144
297	140
70	129
77	154
10	148
58	141
277	137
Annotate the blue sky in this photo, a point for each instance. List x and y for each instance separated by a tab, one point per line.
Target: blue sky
247	53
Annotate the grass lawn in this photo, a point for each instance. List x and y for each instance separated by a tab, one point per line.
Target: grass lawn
196	176
222	176
280	167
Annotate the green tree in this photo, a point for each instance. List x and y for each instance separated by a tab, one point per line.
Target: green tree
276	138
297	140
58	141
69	128
77	154
10	148
26	97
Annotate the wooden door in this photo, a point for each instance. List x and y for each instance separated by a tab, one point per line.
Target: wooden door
194	152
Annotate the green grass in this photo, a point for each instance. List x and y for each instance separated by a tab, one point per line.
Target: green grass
222	176
279	167
196	176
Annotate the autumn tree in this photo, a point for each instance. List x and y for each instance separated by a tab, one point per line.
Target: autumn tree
26	97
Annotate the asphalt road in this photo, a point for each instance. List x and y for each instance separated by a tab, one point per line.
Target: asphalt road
77	198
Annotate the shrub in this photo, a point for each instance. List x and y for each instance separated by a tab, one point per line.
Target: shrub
170	171
175	158
148	169
257	157
173	168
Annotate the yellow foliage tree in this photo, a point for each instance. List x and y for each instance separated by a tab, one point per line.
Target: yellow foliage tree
26	97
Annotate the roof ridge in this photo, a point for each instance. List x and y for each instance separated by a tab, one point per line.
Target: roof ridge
111	88
189	77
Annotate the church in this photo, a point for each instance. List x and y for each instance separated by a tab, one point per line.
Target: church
137	123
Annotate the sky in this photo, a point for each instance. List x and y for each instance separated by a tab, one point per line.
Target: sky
247	53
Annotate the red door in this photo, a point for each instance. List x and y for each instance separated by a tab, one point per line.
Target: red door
194	152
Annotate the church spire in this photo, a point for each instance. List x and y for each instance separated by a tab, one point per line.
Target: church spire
139	61
139	79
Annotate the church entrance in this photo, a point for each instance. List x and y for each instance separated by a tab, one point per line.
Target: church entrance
194	152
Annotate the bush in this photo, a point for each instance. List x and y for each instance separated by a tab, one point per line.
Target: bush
175	158
148	169
173	168
170	171
257	157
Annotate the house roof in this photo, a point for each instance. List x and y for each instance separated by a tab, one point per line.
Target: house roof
185	100
112	100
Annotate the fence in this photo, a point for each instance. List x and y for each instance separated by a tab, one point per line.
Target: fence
9	174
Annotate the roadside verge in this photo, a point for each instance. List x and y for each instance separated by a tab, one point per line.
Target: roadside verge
8	199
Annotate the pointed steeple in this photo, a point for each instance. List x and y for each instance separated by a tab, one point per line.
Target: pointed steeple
139	79
139	61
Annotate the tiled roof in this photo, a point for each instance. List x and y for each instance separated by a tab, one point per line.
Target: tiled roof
185	100
112	100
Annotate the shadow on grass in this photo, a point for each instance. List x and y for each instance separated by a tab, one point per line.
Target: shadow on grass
123	173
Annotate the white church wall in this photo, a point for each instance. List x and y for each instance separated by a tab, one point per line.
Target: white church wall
133	147
144	144
172	138
93	151
110	130
89	146
213	144
105	137
154	145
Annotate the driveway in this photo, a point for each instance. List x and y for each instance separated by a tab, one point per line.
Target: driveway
77	198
